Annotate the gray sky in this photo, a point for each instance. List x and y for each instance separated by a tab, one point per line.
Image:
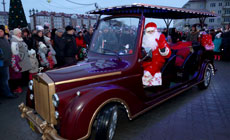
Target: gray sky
67	7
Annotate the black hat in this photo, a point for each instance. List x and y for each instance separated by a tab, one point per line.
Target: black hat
68	28
2	27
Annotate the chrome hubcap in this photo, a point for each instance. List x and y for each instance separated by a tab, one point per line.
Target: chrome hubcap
207	76
113	125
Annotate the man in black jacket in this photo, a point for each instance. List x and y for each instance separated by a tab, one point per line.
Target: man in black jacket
70	46
5	57
59	47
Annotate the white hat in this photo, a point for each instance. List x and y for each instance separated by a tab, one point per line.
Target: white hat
31	52
39	27
16	31
42	45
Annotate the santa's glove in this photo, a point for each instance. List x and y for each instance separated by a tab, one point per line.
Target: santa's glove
161	43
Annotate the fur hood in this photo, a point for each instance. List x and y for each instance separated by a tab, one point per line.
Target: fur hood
16	39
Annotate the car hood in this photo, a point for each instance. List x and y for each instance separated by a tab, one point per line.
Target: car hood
87	69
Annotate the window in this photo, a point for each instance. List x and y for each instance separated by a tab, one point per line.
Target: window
212	4
201	6
219	20
227	19
227	3
219	11
220	4
227	11
211	20
106	40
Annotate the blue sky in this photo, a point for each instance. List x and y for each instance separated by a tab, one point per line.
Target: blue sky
67	7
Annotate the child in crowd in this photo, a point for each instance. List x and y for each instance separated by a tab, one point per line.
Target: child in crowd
217	43
34	63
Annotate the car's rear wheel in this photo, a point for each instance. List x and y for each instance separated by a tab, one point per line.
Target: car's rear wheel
105	123
207	77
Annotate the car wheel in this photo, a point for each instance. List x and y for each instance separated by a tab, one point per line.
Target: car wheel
207	77
105	123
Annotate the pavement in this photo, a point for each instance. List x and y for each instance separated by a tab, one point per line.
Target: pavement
193	115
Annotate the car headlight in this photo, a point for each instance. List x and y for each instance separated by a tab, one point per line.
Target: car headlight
55	100
31	84
31	96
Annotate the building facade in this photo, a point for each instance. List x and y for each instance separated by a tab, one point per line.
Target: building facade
4	16
220	7
60	20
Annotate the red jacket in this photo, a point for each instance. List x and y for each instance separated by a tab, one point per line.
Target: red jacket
80	41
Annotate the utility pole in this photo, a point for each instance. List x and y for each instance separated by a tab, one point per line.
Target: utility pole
4	10
3	3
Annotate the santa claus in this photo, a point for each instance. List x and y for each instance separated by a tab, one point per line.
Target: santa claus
156	43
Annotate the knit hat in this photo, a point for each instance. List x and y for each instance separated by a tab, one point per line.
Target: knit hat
46	31
150	26
16	31
2	27
68	28
60	31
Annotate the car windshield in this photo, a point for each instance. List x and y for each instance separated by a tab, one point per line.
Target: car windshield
116	36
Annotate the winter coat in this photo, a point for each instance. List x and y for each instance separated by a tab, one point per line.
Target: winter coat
217	43
6	53
15	68
59	46
43	52
29	42
35	41
80	42
23	52
193	36
34	63
70	49
88	38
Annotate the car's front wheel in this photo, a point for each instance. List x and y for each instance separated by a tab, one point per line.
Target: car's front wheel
105	123
207	77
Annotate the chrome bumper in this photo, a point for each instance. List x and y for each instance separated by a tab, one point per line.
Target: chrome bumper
47	130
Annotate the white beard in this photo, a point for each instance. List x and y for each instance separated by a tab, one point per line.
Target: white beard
149	40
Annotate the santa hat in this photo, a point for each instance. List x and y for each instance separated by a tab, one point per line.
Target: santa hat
150	26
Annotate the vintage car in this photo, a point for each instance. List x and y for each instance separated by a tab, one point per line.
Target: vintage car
82	101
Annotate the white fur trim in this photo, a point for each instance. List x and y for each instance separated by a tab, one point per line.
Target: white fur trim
16	37
164	53
149	80
151	29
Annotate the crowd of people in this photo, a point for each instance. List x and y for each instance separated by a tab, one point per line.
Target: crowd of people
218	36
23	53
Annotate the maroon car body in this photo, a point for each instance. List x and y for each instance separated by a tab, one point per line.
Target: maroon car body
71	101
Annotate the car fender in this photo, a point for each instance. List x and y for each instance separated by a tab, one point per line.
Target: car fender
81	112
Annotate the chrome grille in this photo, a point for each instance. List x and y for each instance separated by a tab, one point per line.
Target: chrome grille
43	91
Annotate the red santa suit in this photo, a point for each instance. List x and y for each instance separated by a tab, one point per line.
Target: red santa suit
160	50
